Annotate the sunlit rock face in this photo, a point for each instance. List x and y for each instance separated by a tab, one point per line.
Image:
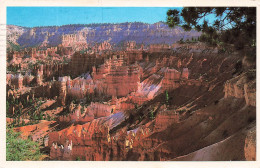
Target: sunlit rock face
92	141
89	141
81	114
104	46
77	41
13	33
171	79
114	78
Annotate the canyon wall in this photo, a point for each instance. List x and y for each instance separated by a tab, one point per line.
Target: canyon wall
70	35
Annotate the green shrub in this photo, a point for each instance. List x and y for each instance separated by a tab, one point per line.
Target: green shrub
151	114
18	149
7	106
166	97
140	118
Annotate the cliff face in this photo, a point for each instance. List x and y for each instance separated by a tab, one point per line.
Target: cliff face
13	33
242	86
92	34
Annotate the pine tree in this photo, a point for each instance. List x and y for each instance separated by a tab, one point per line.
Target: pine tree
166	97
18	149
231	25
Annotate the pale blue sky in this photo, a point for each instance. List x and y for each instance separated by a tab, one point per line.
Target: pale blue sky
50	16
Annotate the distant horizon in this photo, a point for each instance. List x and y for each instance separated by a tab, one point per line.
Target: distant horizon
61	16
83	24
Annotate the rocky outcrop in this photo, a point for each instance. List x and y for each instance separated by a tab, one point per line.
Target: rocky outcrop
242	86
250	145
81	114
115	79
83	62
104	46
79	88
250	93
50	70
62	92
90	141
147	90
93	141
173	78
133	56
165	118
76	89
99	109
33	53
76	114
12	34
76	41
17	81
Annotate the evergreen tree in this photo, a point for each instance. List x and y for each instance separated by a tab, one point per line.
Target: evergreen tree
231	25
181	41
151	114
18	149
7	106
166	97
18	119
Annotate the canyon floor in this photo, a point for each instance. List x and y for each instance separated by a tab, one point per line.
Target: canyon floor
180	102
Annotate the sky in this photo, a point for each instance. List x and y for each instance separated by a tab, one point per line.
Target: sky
57	16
